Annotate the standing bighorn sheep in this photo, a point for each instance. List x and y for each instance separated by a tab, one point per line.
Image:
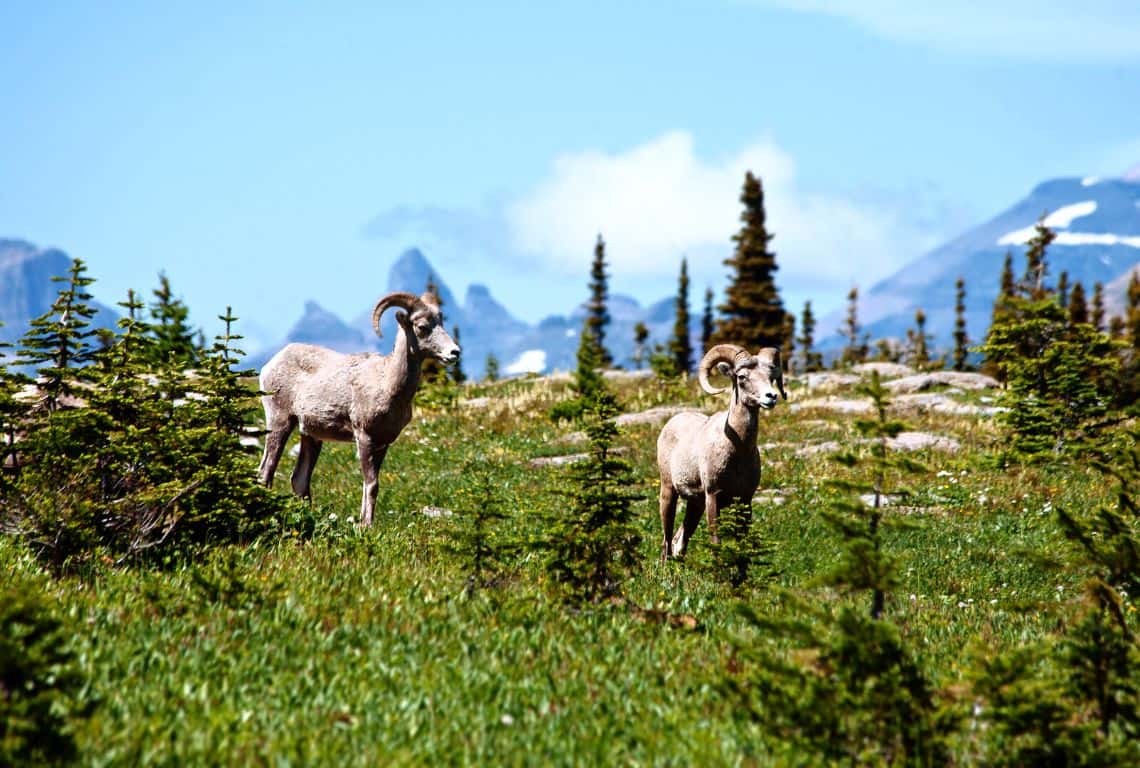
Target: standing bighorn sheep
363	398
712	461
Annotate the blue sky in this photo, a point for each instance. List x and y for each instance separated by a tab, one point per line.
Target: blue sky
264	154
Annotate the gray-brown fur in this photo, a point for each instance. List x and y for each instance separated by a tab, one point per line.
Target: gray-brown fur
363	398
712	461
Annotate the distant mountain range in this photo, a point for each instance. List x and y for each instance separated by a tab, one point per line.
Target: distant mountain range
485	326
1097	222
27	290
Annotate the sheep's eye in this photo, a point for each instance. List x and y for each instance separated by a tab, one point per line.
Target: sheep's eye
422	327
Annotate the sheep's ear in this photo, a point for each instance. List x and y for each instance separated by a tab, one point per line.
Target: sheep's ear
725	369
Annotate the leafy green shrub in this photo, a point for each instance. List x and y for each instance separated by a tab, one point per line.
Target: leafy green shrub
743	557
480	540
593	548
40	682
127	460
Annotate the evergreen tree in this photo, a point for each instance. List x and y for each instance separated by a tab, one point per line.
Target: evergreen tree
857	344
707	320
1063	289
491	368
961	339
680	346
1002	308
918	340
58	344
1132	312
597	308
592	548
1098	307
1059	377
788	351
1078	308
588	385
752	315
640	352
812	360
1033	284
170	326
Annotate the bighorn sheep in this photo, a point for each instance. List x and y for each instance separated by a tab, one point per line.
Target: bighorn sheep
363	398
712	461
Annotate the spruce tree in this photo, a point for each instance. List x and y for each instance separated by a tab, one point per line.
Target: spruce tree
1063	289
597	308
752	315
592	547
961	339
170	326
1078	308
707	321
919	342
680	346
58	345
812	360
788	351
640	351
1059	377
856	350
1098	307
1002	308
491	368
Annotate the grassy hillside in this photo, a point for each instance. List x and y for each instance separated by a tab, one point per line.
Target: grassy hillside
330	645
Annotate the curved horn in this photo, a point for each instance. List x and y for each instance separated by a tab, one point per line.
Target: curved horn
404	301
721	353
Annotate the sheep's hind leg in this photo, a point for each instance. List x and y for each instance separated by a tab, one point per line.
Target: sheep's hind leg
275	441
668	501
694	508
306	463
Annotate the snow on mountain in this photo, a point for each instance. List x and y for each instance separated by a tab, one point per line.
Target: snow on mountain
1097	223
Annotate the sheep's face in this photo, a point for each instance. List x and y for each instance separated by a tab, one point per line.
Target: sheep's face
757	381
425	323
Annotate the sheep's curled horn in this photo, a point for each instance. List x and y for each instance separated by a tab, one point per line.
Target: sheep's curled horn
404	301
721	353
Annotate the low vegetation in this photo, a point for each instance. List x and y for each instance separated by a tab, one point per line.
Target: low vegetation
971	602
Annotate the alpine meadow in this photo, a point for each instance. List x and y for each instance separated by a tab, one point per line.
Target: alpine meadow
939	567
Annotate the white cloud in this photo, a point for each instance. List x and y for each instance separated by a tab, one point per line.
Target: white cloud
1095	30
659	201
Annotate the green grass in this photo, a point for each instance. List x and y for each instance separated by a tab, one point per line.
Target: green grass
337	646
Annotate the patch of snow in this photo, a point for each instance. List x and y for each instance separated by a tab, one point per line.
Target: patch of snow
1089	238
531	361
571	333
1088	181
1063	216
1022	236
1058	219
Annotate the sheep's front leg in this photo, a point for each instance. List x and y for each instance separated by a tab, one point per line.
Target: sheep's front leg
694	508
668	501
710	513
371	457
275	441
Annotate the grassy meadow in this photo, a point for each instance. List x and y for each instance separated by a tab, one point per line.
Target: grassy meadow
332	645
